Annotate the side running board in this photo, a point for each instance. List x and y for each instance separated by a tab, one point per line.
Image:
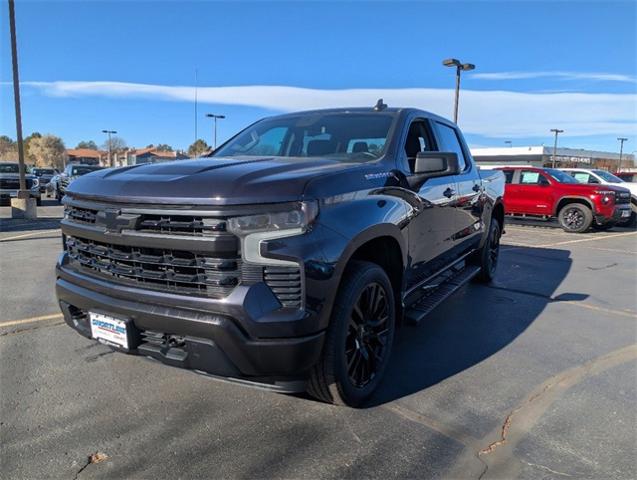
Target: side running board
435	296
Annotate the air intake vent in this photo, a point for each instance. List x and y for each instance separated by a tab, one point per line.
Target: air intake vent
285	283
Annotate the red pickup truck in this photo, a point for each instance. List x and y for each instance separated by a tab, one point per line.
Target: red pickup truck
547	193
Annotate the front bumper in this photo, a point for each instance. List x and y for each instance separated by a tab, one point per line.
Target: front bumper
615	215
244	337
11	193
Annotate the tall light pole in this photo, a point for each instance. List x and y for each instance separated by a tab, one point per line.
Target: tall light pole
452	62
110	158
556	131
215	117
621	151
23	193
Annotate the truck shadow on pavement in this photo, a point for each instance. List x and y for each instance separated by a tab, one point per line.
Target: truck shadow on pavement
476	322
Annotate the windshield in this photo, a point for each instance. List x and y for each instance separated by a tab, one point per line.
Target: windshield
9	168
609	177
77	171
560	176
341	136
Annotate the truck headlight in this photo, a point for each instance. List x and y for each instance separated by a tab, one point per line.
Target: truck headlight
36	183
253	229
607	196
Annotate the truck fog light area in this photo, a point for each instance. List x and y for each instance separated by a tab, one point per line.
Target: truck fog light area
254	229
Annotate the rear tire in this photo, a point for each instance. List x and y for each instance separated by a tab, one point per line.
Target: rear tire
487	257
575	218
359	338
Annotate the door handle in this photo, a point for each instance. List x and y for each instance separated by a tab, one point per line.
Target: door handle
449	192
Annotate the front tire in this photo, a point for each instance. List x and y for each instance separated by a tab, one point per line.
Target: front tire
575	218
359	338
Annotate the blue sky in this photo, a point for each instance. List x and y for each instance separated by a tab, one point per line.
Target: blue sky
130	66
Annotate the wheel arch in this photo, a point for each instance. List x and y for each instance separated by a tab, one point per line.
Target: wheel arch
573	199
385	246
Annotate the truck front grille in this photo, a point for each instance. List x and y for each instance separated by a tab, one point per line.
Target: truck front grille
622	198
204	268
167	270
14	183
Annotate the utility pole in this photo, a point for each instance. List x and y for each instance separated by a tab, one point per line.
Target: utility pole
214	135
621	151
110	157
557	131
460	67
23	193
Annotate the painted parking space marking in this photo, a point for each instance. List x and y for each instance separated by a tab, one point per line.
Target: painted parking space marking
31	234
592	239
42	318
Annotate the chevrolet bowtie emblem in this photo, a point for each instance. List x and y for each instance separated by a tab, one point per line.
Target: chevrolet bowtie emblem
114	221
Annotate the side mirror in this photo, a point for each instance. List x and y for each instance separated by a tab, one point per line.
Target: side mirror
436	164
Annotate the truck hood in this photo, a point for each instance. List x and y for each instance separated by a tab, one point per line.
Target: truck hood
588	188
207	181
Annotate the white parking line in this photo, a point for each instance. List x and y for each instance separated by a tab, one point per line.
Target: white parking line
42	318
31	234
592	239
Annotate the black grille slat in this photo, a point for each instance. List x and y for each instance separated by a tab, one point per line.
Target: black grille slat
166	270
285	283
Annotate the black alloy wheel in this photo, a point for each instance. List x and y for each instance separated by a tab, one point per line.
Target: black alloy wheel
359	338
487	257
574	219
367	335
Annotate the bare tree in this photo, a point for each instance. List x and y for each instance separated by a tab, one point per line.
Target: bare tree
47	150
116	144
8	149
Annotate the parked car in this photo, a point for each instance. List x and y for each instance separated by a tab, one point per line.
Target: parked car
10	183
44	176
602	177
628	176
287	258
70	173
551	193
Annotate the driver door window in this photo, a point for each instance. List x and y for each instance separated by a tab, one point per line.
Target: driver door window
417	141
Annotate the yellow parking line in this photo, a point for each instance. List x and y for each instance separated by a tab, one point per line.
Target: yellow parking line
42	318
39	232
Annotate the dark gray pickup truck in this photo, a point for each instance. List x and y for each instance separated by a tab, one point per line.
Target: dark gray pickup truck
288	258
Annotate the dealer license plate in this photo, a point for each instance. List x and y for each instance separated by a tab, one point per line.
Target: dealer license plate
109	330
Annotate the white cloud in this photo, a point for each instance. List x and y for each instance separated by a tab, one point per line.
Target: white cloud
607	77
491	113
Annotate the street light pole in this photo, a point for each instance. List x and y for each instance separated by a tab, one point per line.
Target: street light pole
452	62
557	131
215	117
23	193
621	151
110	158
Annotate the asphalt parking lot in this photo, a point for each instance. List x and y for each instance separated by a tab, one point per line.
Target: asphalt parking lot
534	376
